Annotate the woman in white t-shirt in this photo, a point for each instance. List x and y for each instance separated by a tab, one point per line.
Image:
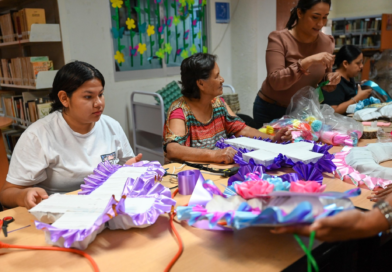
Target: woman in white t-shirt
57	152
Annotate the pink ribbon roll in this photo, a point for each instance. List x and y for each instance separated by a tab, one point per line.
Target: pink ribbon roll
187	181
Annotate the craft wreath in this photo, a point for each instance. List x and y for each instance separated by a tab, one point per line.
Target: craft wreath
322	164
361	165
255	202
117	197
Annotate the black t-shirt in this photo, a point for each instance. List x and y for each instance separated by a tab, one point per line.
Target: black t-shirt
343	92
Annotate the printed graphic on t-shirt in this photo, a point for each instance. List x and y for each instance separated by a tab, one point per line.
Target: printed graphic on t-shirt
109	157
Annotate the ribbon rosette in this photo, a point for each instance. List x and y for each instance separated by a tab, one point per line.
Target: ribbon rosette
307	187
254	188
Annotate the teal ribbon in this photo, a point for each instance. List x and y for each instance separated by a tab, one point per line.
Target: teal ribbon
308	251
377	88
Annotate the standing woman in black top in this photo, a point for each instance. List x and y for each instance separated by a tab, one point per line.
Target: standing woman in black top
349	63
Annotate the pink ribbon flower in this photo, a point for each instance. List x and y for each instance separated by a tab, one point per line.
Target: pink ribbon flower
307	187
253	188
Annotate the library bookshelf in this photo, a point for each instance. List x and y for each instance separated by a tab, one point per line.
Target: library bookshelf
372	34
41	39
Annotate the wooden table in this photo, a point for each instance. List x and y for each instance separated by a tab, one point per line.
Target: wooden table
4	122
151	249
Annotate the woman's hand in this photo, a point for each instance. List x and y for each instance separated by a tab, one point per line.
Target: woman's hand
325	59
283	135
362	94
334	80
33	196
381	194
133	160
346	225
225	156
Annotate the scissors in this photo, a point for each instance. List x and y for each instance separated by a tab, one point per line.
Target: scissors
5	222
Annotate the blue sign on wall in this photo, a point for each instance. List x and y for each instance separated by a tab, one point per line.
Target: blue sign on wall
222	12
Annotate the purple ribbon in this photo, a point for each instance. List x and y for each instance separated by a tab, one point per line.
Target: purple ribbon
187	181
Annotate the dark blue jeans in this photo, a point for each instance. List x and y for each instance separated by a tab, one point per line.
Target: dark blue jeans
264	112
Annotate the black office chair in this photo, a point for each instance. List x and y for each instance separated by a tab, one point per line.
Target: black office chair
248	120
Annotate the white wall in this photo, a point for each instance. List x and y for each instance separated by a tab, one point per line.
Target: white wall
85	26
352	8
251	25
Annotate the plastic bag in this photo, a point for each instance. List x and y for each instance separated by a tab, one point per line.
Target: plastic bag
384	137
303	117
338	129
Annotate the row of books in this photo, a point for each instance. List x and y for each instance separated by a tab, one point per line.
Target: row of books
16	25
10	138
360	25
366	42
23	71
26	108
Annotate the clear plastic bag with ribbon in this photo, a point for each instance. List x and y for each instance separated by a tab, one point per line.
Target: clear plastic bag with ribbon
303	117
338	129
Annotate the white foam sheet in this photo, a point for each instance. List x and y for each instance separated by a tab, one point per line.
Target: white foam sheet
265	152
116	182
132	206
373	113
77	220
366	160
53	208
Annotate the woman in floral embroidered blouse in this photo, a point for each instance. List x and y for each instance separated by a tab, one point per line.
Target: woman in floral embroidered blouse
200	118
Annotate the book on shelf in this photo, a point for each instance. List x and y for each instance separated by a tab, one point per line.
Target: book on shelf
10	138
7	28
26	108
24	71
16	25
4	93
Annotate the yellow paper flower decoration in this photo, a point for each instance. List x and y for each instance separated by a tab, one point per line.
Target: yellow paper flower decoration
142	48
191	2
119	57
130	23
150	30
117	3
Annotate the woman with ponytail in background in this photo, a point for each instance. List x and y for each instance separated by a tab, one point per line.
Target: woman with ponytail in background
298	56
349	63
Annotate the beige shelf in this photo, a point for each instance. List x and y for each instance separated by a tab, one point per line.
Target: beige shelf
39	33
44	81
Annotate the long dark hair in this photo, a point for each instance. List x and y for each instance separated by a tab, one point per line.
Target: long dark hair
197	66
69	78
303	5
347	52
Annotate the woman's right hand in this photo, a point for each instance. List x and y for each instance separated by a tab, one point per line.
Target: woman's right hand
33	196
225	156
324	58
362	94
